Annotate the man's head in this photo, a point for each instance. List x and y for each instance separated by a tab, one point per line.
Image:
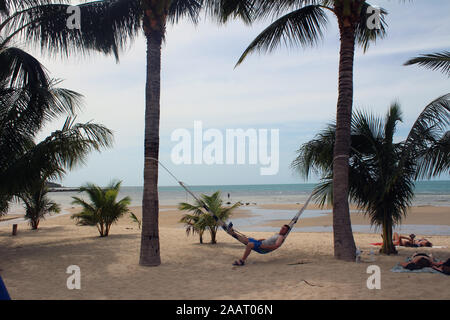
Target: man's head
284	229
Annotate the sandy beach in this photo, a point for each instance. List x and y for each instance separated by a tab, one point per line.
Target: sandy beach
33	264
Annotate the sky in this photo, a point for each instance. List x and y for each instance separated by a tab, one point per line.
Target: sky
291	90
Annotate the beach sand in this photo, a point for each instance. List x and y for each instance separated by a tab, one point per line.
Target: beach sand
33	264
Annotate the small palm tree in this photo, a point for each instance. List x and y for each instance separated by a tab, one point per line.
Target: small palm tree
37	204
104	209
382	173
135	219
199	221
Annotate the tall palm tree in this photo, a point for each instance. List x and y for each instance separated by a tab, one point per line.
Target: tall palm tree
107	26
382	173
435	61
104	209
303	25
199	220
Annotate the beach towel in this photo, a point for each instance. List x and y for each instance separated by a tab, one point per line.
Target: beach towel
3	292
433	247
399	268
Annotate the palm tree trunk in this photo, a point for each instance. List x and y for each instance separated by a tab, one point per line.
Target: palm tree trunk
213	235
344	243
150	255
34	224
388	246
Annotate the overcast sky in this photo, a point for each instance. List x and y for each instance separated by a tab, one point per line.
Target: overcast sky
292	90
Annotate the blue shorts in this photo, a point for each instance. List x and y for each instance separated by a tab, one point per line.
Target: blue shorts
257	246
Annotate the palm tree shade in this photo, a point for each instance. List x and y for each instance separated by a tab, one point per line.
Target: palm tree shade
382	173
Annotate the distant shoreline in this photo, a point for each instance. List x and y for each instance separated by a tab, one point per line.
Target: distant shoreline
63	189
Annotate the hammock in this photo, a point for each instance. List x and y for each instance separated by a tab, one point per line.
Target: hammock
228	227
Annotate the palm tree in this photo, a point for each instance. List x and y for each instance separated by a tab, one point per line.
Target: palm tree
199	220
382	173
435	61
37	204
104	209
29	99
135	219
304	25
107	26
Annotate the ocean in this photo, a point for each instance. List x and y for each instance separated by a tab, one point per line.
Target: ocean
436	193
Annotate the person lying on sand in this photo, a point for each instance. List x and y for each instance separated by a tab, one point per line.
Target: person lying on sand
422	260
409	241
262	245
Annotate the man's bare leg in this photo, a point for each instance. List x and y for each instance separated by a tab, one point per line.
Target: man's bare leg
248	250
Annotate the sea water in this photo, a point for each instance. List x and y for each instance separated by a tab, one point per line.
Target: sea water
435	193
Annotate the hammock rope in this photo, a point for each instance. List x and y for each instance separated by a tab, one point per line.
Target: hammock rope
228	227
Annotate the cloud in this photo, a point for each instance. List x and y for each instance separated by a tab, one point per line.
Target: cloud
294	90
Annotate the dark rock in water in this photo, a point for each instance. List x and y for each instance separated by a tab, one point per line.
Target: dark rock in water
228	202
247	203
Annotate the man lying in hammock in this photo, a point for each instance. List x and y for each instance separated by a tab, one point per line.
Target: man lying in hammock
261	246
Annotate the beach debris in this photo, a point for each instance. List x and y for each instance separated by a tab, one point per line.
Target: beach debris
310	284
297	263
14	229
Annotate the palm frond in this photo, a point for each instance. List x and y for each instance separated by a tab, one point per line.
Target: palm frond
316	155
184	8
434	61
302	27
106	26
427	141
20	69
365	36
